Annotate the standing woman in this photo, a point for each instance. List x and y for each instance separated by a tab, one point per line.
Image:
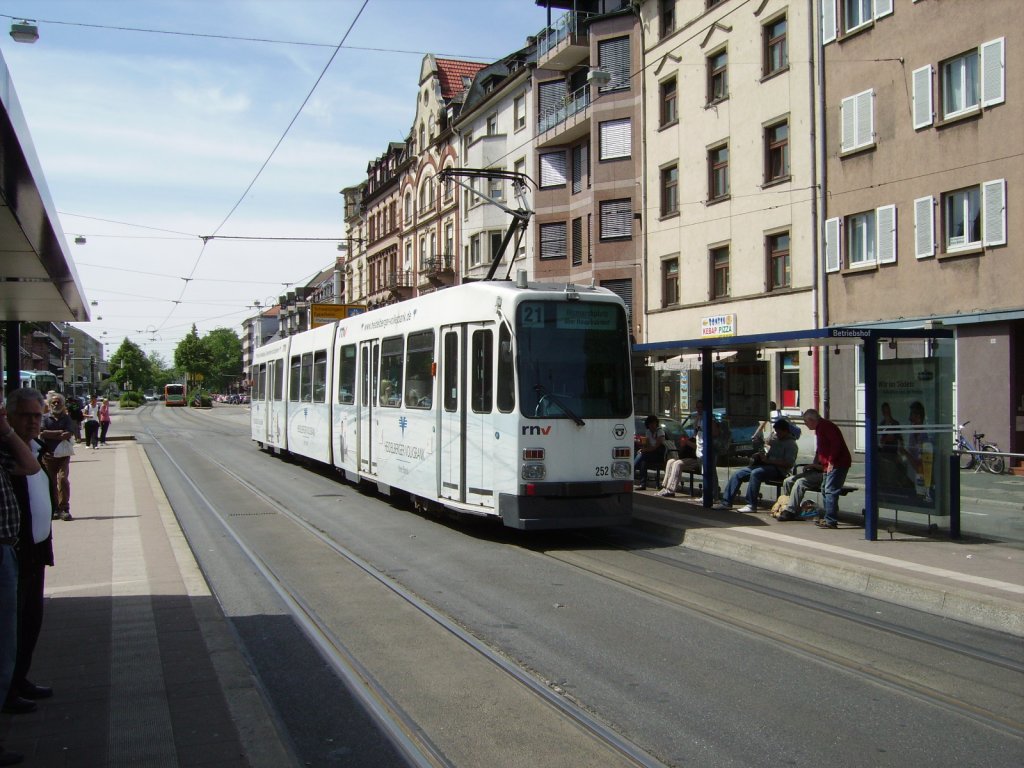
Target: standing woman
91	422
104	420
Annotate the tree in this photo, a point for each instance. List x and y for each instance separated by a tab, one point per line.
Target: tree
191	357
130	368
225	355
163	372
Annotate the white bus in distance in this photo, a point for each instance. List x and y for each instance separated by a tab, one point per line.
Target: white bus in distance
491	398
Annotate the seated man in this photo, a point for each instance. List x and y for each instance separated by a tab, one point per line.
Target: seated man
795	486
774	465
651	450
695	463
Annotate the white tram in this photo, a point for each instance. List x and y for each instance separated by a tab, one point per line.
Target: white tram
489	398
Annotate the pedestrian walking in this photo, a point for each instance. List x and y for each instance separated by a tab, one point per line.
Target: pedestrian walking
57	428
104	416
91	423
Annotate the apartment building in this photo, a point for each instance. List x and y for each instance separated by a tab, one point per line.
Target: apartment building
589	200
730	177
430	212
923	110
495	133
374	243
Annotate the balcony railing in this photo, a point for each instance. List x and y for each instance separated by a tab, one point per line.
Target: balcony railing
400	279
571	24
575	102
437	264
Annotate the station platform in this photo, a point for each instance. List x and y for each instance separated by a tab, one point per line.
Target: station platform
145	666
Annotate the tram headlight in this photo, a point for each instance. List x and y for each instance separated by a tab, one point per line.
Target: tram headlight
622	470
534	472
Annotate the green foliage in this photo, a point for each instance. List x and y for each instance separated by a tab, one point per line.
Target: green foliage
200	398
215	359
130	367
131	399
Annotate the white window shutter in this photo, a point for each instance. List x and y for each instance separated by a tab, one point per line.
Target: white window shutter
922	98
993	212
924	227
828	21
865	118
885	221
832	252
993	89
848	120
616	139
552	169
882	8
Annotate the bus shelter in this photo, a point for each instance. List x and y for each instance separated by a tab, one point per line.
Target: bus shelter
908	466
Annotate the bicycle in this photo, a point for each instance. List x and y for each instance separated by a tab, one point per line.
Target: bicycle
971	452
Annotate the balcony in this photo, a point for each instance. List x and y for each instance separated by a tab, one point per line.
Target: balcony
566	44
568	122
437	269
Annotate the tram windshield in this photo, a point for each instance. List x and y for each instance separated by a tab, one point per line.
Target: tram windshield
573	360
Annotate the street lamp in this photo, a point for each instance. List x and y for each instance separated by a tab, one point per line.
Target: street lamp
24	31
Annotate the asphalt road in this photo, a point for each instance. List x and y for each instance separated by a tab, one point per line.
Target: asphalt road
694	659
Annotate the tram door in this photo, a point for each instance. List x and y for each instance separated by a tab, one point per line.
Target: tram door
274	404
452	446
369	361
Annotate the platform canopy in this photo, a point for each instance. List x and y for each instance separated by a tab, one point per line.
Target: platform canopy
38	281
834	336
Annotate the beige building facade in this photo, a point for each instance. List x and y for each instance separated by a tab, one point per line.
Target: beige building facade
731	191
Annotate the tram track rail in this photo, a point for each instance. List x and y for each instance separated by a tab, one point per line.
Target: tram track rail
812	645
401	727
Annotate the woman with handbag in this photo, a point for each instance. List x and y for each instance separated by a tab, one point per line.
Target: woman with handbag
104	415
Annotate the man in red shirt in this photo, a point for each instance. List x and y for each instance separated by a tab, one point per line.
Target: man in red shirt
833	456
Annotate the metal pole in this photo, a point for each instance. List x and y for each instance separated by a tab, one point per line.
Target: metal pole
954	496
870	437
707	384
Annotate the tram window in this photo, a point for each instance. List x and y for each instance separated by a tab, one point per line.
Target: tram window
364	397
307	377
451	372
320	376
254	377
391	372
347	374
278	385
419	361
261	382
506	381
481	371
294	379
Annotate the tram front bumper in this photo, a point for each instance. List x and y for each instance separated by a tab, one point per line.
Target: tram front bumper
546	506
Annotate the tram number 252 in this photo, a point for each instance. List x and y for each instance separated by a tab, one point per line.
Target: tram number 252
602	471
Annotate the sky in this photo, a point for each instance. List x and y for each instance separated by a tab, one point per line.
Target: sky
151	121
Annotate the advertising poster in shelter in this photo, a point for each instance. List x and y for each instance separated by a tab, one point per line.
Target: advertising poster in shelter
910	439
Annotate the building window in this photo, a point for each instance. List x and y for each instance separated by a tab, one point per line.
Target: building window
776	47
669	103
789	379
719	258
667	16
613	58
616	219
669	282
779	274
475	256
856	13
577	242
449	239
961	219
616	139
860	239
718	173
961	90
552	169
857	118
519	112
776	152
492	125
552	240
670	190
580	162
718	76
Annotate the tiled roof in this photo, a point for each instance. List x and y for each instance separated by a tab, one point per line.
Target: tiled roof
451	72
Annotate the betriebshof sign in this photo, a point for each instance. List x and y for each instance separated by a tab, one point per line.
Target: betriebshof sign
718	325
322	314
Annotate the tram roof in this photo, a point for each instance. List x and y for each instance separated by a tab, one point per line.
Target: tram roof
40	283
812	337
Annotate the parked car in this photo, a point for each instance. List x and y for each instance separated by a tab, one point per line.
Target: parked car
673	430
741	435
